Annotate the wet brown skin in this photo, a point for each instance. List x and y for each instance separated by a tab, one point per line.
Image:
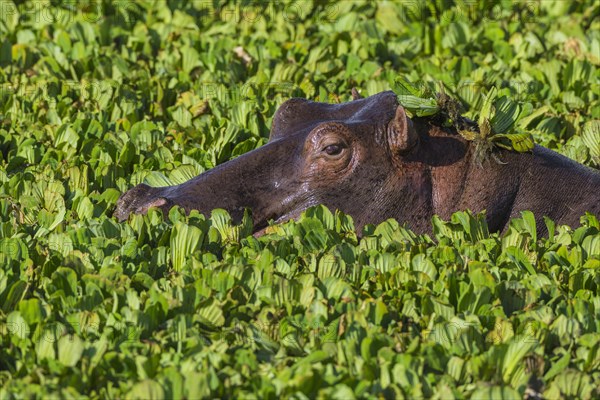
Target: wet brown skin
369	160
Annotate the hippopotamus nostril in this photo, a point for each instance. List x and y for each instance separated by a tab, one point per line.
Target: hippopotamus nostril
138	200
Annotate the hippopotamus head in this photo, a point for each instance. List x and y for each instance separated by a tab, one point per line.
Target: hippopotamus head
346	156
365	158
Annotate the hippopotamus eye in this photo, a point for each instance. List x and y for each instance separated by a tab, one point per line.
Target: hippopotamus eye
333	149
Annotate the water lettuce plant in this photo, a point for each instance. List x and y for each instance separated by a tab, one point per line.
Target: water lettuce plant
98	96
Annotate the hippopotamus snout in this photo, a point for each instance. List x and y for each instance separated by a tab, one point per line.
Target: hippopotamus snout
259	181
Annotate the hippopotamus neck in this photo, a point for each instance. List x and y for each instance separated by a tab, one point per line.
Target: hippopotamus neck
511	182
438	175
459	182
574	189
493	186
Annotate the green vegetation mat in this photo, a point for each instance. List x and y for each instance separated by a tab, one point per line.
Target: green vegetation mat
97	96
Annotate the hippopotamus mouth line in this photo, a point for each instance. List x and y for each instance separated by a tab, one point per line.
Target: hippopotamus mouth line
296	206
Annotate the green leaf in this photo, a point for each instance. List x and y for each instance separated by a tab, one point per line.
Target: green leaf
574	384
422	264
405	88
530	224
418	106
17	325
557	367
70	349
487	110
591	138
211	315
15	293
519	347
32	311
146	389
520	142
507	114
185	239
495	393
221	220
415	100
517	256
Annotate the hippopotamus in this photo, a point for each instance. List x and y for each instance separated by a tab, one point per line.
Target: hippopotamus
367	158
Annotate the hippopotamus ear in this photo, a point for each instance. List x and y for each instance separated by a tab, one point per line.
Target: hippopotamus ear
402	136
